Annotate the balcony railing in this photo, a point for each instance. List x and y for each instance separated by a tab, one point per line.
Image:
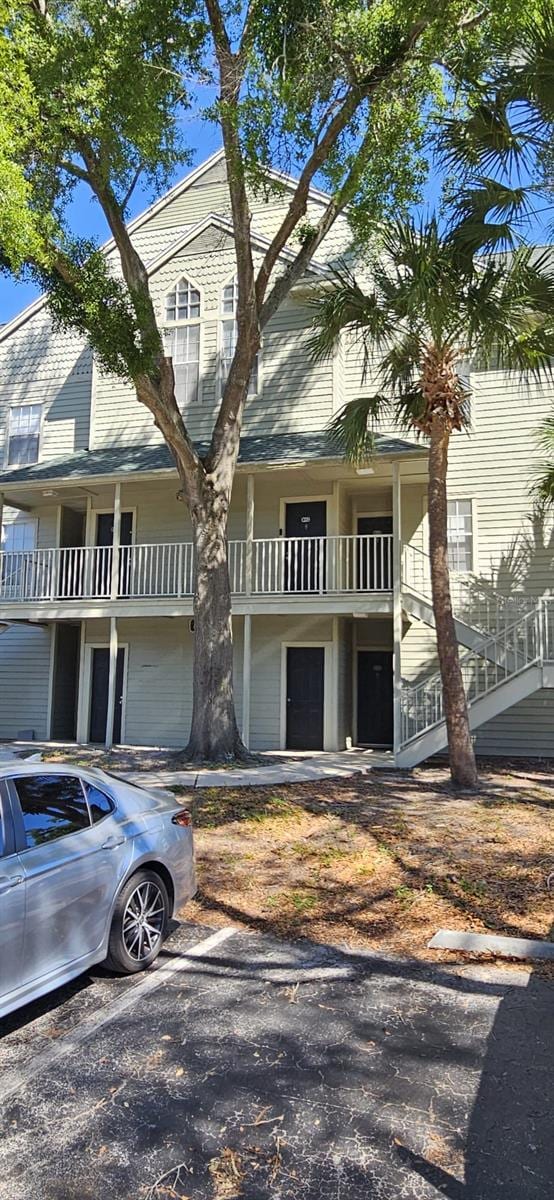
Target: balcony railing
263	567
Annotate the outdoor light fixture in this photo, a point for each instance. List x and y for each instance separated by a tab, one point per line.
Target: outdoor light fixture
365	471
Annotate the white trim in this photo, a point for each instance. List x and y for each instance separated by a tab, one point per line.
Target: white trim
136	223
81	708
87	686
328	707
326	499
91	521
221	317
226	226
92	408
167	326
10	408
51	667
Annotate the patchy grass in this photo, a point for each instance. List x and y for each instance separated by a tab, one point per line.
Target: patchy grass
381	861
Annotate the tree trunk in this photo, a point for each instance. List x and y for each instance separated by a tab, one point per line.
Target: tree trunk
214	735
462	757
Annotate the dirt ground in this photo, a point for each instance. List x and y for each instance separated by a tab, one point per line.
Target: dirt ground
381	861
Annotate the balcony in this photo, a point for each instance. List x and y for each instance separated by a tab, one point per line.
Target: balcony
269	567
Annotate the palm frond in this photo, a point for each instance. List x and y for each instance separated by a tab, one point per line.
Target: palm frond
352	432
340	305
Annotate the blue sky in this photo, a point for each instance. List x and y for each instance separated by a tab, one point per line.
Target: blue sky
86	218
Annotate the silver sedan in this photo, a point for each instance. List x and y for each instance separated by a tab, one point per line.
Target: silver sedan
91	870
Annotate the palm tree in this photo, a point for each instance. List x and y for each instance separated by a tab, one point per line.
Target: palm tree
432	306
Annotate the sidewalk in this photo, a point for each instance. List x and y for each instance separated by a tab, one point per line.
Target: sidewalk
287	769
154	766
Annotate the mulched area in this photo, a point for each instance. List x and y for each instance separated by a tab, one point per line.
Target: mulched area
381	861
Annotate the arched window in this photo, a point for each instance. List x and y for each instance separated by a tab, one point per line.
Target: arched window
229	338
182	339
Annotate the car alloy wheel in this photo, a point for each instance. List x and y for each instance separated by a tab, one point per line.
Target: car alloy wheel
143	920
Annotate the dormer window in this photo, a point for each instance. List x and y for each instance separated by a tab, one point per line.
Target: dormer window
229	302
182	339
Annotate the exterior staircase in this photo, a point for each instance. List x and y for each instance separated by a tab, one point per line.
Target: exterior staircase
509	655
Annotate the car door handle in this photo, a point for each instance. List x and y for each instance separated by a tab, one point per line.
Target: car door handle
112	842
7	882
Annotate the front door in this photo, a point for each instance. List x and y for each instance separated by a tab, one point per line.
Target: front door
104	537
99	694
305	692
375	696
374	554
304	564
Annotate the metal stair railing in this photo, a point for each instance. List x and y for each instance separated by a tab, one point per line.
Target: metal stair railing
516	647
486	611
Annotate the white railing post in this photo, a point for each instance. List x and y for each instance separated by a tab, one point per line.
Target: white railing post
249	551
116	541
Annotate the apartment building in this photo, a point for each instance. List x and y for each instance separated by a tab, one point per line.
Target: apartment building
333	625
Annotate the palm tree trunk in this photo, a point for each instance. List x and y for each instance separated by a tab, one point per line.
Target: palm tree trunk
462	758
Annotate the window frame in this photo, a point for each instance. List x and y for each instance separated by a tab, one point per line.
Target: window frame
18	818
222	318
168	327
11	409
471	570
88	783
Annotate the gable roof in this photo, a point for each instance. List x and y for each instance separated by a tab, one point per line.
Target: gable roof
285	448
146	215
215	220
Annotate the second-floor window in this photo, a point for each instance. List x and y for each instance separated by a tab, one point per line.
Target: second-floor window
182	339
229	338
24	434
460	535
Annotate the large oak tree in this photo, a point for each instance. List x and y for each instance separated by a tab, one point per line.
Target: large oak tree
93	92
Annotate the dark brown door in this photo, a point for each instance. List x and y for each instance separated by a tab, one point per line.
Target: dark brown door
375	695
104	537
305	690
374	554
99	694
305	525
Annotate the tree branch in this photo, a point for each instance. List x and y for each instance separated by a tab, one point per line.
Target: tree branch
161	401
226	431
337	125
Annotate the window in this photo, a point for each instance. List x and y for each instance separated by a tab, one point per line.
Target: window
23	434
229	338
19	535
16	537
52	806
100	804
182	339
183	303
460	535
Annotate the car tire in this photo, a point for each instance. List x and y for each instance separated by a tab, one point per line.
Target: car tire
139	923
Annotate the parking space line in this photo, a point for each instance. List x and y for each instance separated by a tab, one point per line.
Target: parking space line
13	1081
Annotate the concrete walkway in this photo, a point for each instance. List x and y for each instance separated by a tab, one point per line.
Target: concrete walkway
298	768
153	767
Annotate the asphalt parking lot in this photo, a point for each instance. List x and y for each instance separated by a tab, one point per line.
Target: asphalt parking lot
247	1067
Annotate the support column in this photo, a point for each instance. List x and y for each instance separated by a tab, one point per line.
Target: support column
397	603
246	671
1	515
111	684
249	532
116	542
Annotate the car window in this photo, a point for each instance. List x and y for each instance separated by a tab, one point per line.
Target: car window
52	805
100	804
